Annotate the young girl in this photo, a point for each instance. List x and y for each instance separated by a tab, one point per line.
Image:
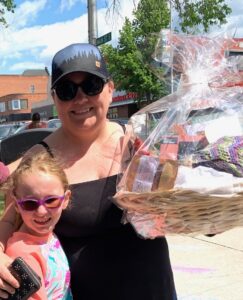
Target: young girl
40	189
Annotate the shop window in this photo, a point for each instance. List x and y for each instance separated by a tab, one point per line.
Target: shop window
112	113
17	104
239	55
23	103
2	107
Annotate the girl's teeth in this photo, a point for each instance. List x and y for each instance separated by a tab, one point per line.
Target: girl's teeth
42	221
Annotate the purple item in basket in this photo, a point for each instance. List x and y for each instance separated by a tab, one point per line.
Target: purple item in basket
225	155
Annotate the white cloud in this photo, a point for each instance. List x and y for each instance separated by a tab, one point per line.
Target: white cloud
25	13
109	21
42	42
27	65
68	4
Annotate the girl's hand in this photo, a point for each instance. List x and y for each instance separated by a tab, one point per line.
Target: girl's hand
8	283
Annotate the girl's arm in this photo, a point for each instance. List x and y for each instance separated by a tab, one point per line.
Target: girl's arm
7	221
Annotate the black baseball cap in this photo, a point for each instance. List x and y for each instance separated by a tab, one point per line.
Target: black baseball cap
81	57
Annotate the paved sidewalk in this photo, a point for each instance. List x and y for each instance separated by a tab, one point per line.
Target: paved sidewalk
208	268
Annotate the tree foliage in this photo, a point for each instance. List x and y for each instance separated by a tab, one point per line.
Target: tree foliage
203	12
126	65
6	5
130	62
191	12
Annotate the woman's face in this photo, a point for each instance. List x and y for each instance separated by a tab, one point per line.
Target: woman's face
83	111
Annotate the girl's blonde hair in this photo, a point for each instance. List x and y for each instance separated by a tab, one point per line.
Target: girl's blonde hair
41	161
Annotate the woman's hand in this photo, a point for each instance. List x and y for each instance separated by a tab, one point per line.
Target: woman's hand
8	283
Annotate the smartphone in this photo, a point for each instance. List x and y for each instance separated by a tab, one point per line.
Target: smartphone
29	281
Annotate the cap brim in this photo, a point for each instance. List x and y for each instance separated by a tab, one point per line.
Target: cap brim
78	70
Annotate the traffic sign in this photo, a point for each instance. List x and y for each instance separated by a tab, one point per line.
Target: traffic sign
103	39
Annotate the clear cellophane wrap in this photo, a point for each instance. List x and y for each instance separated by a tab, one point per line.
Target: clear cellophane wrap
182	167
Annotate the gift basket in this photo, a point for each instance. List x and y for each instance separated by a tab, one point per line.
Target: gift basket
182	169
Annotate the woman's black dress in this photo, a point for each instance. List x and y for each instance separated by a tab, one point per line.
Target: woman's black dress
107	259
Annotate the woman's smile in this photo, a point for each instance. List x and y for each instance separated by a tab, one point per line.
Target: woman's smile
82	111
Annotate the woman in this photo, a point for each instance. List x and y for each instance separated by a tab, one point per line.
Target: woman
107	259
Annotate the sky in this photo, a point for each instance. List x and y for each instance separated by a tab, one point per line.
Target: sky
39	28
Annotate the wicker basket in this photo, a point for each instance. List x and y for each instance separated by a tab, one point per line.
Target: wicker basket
187	212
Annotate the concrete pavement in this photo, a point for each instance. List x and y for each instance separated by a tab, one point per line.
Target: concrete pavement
208	268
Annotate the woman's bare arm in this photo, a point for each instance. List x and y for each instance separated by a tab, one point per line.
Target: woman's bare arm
7	281
7	224
13	166
8	218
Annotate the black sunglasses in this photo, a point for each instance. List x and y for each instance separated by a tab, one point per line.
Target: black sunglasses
66	90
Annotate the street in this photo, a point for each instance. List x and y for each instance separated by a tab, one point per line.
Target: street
208	268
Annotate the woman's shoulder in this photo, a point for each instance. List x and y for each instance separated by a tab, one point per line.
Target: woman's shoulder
116	125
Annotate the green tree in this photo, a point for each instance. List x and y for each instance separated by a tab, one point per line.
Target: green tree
191	12
130	62
203	12
6	5
127	67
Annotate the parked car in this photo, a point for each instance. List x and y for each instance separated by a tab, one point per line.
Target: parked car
54	123
7	130
22	127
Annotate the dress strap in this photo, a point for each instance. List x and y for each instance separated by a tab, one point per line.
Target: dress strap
46	146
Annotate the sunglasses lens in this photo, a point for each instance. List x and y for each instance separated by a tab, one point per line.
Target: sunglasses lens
66	90
93	85
32	204
29	205
53	202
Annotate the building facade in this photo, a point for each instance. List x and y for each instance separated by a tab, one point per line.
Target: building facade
18	93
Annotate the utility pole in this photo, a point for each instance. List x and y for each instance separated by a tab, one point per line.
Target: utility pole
92	21
171	52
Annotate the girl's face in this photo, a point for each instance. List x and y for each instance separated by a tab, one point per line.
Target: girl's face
38	185
83	111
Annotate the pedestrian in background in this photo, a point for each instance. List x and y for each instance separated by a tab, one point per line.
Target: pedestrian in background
36	122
